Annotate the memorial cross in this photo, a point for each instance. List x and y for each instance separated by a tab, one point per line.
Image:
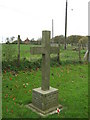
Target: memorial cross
45	50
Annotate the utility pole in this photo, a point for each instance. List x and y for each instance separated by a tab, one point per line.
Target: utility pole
52	28
65	26
52	32
89	34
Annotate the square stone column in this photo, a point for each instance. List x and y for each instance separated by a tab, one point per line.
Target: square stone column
45	100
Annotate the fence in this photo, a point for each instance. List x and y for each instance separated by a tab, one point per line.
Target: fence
10	53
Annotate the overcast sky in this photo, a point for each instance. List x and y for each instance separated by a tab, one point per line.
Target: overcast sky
29	17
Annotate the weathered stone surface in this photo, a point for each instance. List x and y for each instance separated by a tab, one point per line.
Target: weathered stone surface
45	113
45	99
41	50
45	50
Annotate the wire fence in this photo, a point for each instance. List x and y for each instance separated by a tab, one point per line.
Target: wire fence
10	53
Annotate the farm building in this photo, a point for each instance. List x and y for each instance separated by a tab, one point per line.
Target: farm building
27	41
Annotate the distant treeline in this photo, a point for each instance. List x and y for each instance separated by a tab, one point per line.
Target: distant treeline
73	40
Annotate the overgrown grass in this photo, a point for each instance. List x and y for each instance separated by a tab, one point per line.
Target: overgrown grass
71	80
70	77
68	54
32	61
24	51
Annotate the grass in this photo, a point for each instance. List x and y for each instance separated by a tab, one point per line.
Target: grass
71	79
24	51
68	54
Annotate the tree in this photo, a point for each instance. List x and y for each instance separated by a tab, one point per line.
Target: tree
12	38
16	42
59	39
83	41
7	40
39	40
73	39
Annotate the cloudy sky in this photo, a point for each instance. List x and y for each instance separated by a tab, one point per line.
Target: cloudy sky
29	17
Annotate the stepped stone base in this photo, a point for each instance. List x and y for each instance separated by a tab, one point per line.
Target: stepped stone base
44	101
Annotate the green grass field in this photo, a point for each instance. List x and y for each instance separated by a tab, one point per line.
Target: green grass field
71	78
68	55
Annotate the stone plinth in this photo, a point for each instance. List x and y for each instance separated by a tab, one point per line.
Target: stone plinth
45	98
44	101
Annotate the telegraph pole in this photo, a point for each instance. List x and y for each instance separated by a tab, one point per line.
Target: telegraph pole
52	28
65	25
89	34
52	32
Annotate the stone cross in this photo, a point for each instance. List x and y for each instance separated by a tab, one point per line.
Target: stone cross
45	50
45	98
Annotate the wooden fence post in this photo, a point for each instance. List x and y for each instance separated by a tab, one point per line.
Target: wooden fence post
18	50
58	54
79	52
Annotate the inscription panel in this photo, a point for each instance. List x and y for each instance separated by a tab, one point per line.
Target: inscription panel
45	101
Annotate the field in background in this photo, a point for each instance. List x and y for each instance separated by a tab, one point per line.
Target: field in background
66	55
